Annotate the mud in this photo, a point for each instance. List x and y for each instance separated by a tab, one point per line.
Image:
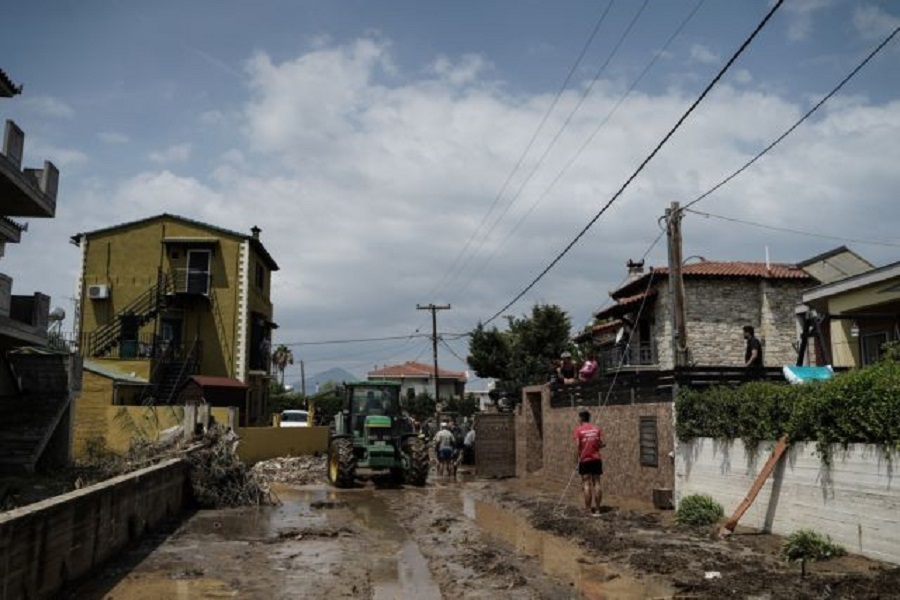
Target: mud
464	538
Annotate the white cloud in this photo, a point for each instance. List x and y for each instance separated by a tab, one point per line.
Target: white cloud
703	55
873	23
212	117
743	77
112	137
48	106
801	14
175	153
466	70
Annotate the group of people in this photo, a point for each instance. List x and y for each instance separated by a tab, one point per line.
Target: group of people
453	445
566	371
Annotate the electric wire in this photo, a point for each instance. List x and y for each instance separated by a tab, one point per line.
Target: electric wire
644	163
791	230
543	195
450	272
790	130
358	340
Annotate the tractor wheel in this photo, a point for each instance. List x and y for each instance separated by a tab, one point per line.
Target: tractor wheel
398	476
419	462
341	463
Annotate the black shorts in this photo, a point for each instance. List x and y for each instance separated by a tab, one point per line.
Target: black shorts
594	467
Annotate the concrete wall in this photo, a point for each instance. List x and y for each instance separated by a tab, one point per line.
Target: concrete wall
624	475
47	544
262	443
856	501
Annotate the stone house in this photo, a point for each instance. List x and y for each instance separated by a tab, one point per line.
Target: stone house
720	297
418	378
166	298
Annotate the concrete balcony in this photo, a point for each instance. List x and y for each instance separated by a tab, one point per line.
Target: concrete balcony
25	322
25	192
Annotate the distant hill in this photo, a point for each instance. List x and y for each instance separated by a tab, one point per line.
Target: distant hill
336	374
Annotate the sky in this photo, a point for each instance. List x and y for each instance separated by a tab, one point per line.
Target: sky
407	152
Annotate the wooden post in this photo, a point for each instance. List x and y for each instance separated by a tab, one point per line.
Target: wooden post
777	453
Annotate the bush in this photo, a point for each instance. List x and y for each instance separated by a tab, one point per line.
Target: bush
806	544
698	509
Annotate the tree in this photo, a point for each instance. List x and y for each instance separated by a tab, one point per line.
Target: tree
281	358
524	353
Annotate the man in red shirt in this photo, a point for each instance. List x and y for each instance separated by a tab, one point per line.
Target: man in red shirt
589	440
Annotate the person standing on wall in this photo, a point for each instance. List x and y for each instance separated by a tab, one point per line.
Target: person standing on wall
589	440
567	371
753	354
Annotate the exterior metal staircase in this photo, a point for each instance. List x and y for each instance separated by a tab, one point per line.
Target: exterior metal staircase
175	366
138	313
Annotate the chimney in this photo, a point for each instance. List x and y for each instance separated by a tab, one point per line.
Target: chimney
255	231
635	269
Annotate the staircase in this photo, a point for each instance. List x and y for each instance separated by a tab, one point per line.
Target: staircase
29	419
173	371
143	309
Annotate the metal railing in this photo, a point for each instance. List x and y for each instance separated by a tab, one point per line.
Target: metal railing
637	355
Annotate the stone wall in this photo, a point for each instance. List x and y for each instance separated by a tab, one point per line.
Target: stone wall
855	500
718	309
51	543
624	475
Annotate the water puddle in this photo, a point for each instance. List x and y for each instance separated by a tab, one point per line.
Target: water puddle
561	558
400	570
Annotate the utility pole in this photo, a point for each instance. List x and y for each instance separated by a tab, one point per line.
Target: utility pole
434	340
302	379
676	286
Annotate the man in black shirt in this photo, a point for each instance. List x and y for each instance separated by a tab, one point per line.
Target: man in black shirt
753	355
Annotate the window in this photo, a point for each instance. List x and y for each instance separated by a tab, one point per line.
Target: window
870	345
649	442
198	271
260	276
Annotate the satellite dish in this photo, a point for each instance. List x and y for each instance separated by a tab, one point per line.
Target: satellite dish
57	314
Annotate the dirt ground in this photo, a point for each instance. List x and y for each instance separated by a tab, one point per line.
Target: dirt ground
463	538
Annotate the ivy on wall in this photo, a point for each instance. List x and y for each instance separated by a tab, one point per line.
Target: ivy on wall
859	406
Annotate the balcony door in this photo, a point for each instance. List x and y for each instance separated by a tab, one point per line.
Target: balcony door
198	271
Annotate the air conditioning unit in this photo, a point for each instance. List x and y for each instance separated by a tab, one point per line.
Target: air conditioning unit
99	291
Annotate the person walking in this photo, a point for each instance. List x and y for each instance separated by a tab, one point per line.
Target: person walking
589	440
444	443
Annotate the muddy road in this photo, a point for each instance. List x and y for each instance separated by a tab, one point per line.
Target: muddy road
463	538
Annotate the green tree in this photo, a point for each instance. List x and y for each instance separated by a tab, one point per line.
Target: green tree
281	358
524	353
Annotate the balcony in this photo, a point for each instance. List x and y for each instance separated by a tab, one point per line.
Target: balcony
638	355
191	282
25	192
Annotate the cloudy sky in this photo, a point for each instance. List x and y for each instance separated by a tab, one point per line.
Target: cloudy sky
409	152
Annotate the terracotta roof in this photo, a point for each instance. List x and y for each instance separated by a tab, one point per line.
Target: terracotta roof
219	382
8	89
606	327
626	305
725	269
415	370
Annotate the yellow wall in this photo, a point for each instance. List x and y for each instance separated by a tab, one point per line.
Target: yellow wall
128	259
262	443
844	346
115	426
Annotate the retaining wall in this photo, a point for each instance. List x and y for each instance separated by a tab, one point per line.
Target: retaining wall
856	500
47	544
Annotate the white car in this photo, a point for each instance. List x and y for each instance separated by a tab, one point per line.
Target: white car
294	418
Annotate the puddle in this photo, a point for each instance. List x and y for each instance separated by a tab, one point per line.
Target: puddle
400	570
561	558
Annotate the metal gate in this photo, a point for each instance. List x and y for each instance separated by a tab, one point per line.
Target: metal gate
495	445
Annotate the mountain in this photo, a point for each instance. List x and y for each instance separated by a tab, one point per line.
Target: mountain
336	374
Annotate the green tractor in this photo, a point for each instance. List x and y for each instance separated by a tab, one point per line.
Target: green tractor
370	432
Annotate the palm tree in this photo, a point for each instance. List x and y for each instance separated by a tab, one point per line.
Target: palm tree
281	358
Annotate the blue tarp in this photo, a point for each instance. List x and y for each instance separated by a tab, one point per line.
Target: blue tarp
796	374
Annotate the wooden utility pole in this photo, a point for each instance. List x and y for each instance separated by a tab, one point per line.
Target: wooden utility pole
434	340
302	379
676	286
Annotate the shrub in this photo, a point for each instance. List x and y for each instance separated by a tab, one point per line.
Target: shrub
806	544
698	509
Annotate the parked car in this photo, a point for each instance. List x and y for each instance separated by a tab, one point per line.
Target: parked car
294	418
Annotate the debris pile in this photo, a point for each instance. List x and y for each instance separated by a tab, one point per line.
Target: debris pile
219	478
295	470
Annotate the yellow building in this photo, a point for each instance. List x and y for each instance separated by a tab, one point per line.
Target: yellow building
855	316
170	298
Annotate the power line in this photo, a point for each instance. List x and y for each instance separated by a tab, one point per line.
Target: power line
359	340
797	124
587	142
450	272
794	231
643	164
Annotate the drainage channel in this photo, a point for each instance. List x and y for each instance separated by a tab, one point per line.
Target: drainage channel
561	558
